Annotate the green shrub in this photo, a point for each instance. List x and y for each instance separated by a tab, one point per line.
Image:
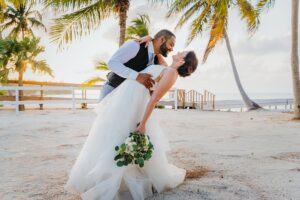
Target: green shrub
160	106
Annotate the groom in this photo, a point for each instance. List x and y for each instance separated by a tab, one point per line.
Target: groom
132	57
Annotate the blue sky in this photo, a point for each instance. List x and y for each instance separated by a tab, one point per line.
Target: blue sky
263	60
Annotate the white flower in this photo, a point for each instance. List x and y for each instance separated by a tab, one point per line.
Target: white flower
128	140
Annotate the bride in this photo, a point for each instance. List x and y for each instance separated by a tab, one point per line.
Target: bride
95	175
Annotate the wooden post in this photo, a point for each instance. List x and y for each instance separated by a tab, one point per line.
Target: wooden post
175	99
42	97
193	99
202	99
183	94
73	98
213	102
17	100
83	97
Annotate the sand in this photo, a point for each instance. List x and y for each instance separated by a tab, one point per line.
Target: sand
228	155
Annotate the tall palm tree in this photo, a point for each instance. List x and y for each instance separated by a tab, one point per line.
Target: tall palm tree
262	4
20	18
139	27
85	17
213	15
100	66
295	58
17	56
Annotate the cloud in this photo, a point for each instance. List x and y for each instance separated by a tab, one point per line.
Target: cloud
263	45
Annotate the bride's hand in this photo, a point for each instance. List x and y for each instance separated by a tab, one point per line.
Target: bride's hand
141	128
178	59
146	39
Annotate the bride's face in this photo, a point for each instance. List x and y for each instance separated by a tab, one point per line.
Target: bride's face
180	55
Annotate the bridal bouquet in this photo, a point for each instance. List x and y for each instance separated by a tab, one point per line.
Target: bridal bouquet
136	149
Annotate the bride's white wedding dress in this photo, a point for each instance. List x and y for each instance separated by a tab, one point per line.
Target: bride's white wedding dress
95	175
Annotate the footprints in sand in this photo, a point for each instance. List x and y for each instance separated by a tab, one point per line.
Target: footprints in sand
190	161
197	172
288	156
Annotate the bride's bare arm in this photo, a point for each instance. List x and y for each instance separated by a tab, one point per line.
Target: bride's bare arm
168	78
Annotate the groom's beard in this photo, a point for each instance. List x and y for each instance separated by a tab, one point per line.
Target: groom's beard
164	49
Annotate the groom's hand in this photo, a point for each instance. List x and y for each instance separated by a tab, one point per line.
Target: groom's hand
145	79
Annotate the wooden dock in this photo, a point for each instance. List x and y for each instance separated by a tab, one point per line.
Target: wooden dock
192	99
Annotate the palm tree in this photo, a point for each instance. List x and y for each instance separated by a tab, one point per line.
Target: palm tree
213	15
295	59
20	18
17	56
100	66
2	8
262	4
139	27
85	17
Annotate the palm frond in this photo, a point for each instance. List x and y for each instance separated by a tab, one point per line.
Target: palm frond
36	23
67	5
265	4
79	23
218	26
2	4
180	5
101	65
41	67
35	13
190	12
92	81
139	27
4	72
248	13
8	25
198	23
15	32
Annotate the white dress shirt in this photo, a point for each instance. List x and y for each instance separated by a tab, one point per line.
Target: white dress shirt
125	53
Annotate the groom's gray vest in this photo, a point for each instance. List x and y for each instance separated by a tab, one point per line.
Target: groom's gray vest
138	63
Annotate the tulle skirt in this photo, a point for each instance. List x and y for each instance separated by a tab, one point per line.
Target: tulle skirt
95	175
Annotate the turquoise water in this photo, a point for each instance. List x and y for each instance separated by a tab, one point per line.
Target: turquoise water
237	96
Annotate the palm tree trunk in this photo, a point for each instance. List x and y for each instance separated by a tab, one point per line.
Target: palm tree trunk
20	83
122	21
295	59
251	105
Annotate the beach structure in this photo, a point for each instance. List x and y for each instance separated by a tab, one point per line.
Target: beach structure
66	93
41	93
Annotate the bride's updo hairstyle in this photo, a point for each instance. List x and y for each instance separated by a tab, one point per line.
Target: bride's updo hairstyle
189	66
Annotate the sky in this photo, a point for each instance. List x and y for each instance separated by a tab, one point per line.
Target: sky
262	59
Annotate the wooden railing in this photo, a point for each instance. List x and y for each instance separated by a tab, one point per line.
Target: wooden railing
195	100
16	101
177	98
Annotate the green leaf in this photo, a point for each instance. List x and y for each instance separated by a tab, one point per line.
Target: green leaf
120	163
123	147
117	157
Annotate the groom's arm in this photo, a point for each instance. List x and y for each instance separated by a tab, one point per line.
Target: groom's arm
126	52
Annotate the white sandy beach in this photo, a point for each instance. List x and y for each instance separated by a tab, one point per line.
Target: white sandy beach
248	155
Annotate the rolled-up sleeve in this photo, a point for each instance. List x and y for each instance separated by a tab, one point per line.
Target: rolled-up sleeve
126	52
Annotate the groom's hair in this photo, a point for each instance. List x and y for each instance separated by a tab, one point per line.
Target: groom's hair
165	33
